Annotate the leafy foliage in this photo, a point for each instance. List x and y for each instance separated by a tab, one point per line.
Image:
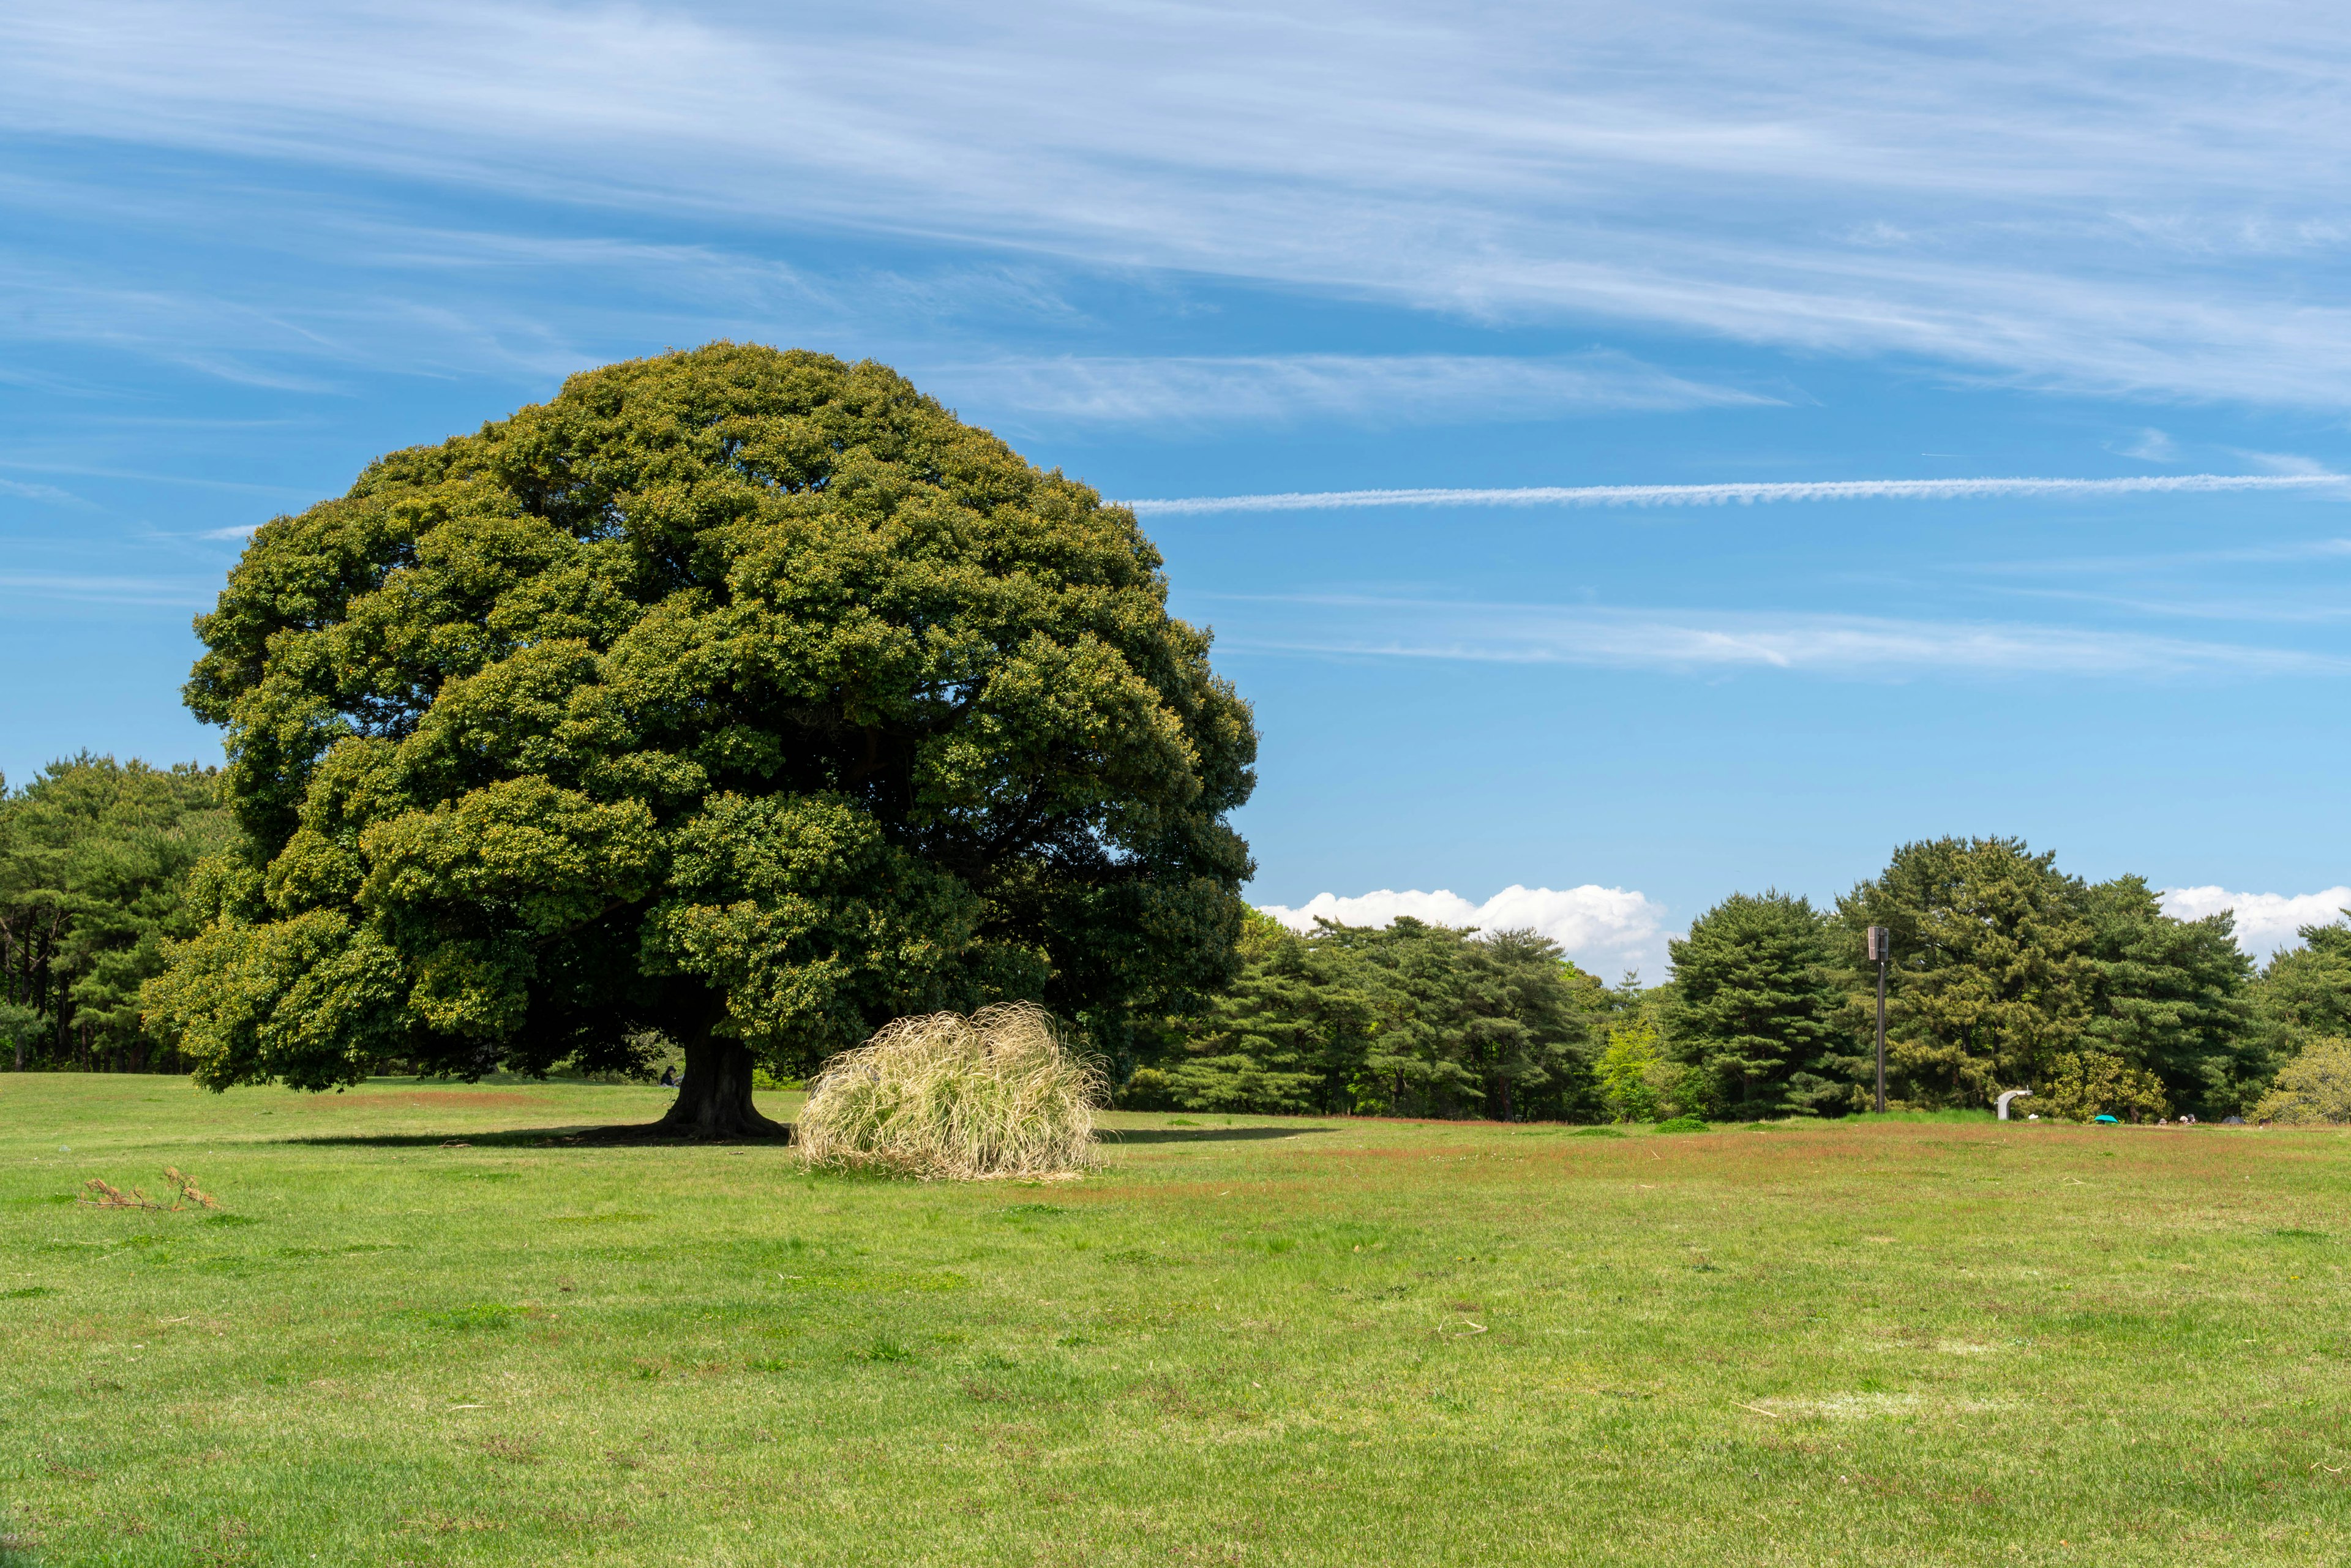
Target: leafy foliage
2314	1087
95	861
743	696
2003	966
1637	1082
2085	1084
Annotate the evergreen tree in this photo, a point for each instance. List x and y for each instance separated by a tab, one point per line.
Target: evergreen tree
1289	1035
1992	976
1471	1026
1408	1019
1755	1005
95	861
2305	991
2173	998
2003	964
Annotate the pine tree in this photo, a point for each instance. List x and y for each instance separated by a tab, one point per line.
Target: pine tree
1287	1035
1408	1019
1755	1004
2305	992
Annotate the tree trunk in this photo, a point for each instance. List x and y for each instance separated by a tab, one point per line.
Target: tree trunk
714	1099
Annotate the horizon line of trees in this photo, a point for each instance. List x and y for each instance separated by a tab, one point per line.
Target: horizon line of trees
2007	974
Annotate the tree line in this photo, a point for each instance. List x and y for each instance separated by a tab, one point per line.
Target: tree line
2007	972
95	859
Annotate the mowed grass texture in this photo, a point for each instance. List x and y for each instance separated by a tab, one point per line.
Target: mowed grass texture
1246	1342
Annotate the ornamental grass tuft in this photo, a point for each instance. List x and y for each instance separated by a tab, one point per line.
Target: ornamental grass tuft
948	1097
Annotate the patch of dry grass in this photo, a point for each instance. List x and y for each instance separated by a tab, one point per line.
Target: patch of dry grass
945	1096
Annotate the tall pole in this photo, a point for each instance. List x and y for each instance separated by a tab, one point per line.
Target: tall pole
1881	1036
1879	946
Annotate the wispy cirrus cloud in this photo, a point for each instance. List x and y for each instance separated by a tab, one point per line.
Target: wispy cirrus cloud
1843	646
2090	194
86	588
1743	493
50	494
1374	389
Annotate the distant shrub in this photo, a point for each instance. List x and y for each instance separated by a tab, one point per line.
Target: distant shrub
2314	1088
1149	1089
1681	1125
1639	1082
2085	1084
943	1095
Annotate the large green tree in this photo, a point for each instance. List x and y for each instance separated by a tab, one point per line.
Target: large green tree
1992	977
2173	998
743	696
2305	992
2003	964
1755	1005
1288	1035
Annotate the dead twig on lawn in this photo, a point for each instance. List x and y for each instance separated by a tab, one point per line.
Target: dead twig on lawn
186	1194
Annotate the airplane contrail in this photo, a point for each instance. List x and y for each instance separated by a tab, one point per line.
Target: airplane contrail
1739	493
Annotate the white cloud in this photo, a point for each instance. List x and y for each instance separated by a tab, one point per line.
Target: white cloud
1367	388
2086	192
1747	494
2151	445
1851	646
2266	922
1606	930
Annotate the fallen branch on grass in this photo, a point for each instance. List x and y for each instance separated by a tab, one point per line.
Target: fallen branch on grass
186	1194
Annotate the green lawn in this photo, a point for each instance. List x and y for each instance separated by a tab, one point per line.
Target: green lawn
1242	1342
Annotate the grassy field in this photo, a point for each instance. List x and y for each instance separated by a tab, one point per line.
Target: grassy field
425	1330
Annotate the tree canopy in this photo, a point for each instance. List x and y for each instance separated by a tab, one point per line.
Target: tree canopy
1755	1003
2003	964
95	857
2305	992
1405	1019
744	695
2312	1088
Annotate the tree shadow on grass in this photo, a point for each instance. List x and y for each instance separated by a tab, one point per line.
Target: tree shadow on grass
631	1136
636	1136
1199	1136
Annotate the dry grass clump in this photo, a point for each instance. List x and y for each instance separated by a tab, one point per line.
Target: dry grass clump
994	1094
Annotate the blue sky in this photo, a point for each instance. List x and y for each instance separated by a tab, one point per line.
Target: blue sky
1198	251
